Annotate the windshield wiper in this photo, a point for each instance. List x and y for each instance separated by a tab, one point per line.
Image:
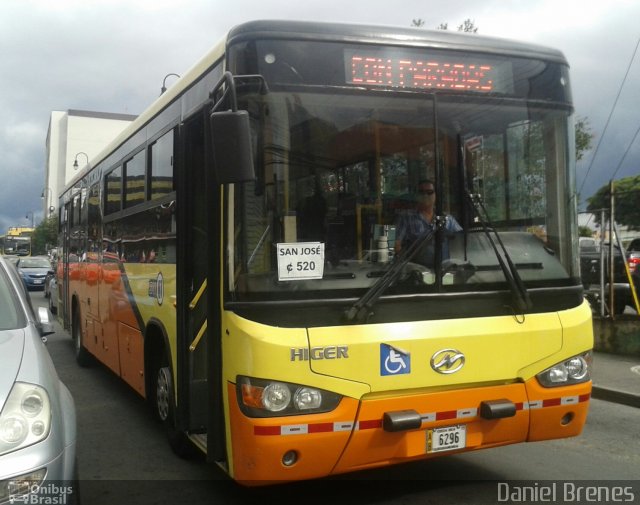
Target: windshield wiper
361	309
520	293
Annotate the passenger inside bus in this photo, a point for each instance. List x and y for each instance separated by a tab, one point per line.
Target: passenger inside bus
414	223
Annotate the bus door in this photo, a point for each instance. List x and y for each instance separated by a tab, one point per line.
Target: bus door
93	254
193	279
201	249
66	247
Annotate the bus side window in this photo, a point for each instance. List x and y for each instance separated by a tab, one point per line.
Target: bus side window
161	166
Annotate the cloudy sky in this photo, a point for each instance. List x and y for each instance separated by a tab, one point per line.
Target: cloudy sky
112	55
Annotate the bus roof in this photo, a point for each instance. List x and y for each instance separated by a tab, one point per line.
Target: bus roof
374	34
321	31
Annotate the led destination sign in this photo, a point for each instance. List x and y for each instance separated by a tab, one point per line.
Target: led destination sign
445	72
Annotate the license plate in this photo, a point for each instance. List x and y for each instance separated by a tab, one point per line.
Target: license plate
37	281
449	438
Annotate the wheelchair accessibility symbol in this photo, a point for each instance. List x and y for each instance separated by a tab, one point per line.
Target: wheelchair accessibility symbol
394	361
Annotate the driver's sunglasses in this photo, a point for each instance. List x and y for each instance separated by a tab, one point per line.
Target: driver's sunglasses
426	191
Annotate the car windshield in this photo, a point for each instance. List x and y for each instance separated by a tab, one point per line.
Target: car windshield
10	315
34	263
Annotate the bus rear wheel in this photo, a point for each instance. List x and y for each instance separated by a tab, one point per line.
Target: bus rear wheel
83	358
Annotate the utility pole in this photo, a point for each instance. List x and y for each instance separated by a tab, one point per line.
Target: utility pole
611	252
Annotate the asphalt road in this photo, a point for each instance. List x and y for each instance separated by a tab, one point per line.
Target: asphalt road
124	458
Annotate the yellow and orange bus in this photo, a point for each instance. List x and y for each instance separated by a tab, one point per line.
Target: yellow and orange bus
232	254
17	241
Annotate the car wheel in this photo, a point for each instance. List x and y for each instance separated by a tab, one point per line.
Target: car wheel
83	358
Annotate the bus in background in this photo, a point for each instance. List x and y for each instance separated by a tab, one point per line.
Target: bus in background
231	255
17	241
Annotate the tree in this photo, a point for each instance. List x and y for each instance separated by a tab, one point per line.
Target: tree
45	236
467	26
584	136
627	195
585	231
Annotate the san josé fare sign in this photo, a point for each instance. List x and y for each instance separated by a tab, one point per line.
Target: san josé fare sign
300	261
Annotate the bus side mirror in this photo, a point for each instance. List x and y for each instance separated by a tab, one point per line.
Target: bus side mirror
232	149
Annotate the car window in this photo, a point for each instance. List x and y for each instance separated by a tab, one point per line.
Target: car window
10	314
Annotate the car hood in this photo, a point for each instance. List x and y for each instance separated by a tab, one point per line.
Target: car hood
11	351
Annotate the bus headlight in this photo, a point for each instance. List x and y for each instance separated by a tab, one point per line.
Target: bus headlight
265	398
307	398
571	371
276	397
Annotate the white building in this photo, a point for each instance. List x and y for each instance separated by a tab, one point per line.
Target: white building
75	135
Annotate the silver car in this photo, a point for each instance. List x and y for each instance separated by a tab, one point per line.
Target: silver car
37	412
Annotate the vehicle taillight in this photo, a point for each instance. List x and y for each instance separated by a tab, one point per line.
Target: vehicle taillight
633	264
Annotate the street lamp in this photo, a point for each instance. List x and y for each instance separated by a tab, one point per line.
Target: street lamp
32	218
75	162
47	196
164	88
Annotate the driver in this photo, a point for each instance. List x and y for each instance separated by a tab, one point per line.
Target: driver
412	225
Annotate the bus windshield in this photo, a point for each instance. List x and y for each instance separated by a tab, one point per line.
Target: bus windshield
342	172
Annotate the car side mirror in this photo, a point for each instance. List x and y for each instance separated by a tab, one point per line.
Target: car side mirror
45	320
232	148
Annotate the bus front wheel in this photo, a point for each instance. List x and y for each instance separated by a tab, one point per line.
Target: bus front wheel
163	393
165	411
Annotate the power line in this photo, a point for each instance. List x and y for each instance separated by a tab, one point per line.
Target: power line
625	153
609	118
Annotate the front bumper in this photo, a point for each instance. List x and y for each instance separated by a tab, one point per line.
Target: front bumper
353	436
31	283
59	476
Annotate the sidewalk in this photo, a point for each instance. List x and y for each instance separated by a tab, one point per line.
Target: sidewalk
616	378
